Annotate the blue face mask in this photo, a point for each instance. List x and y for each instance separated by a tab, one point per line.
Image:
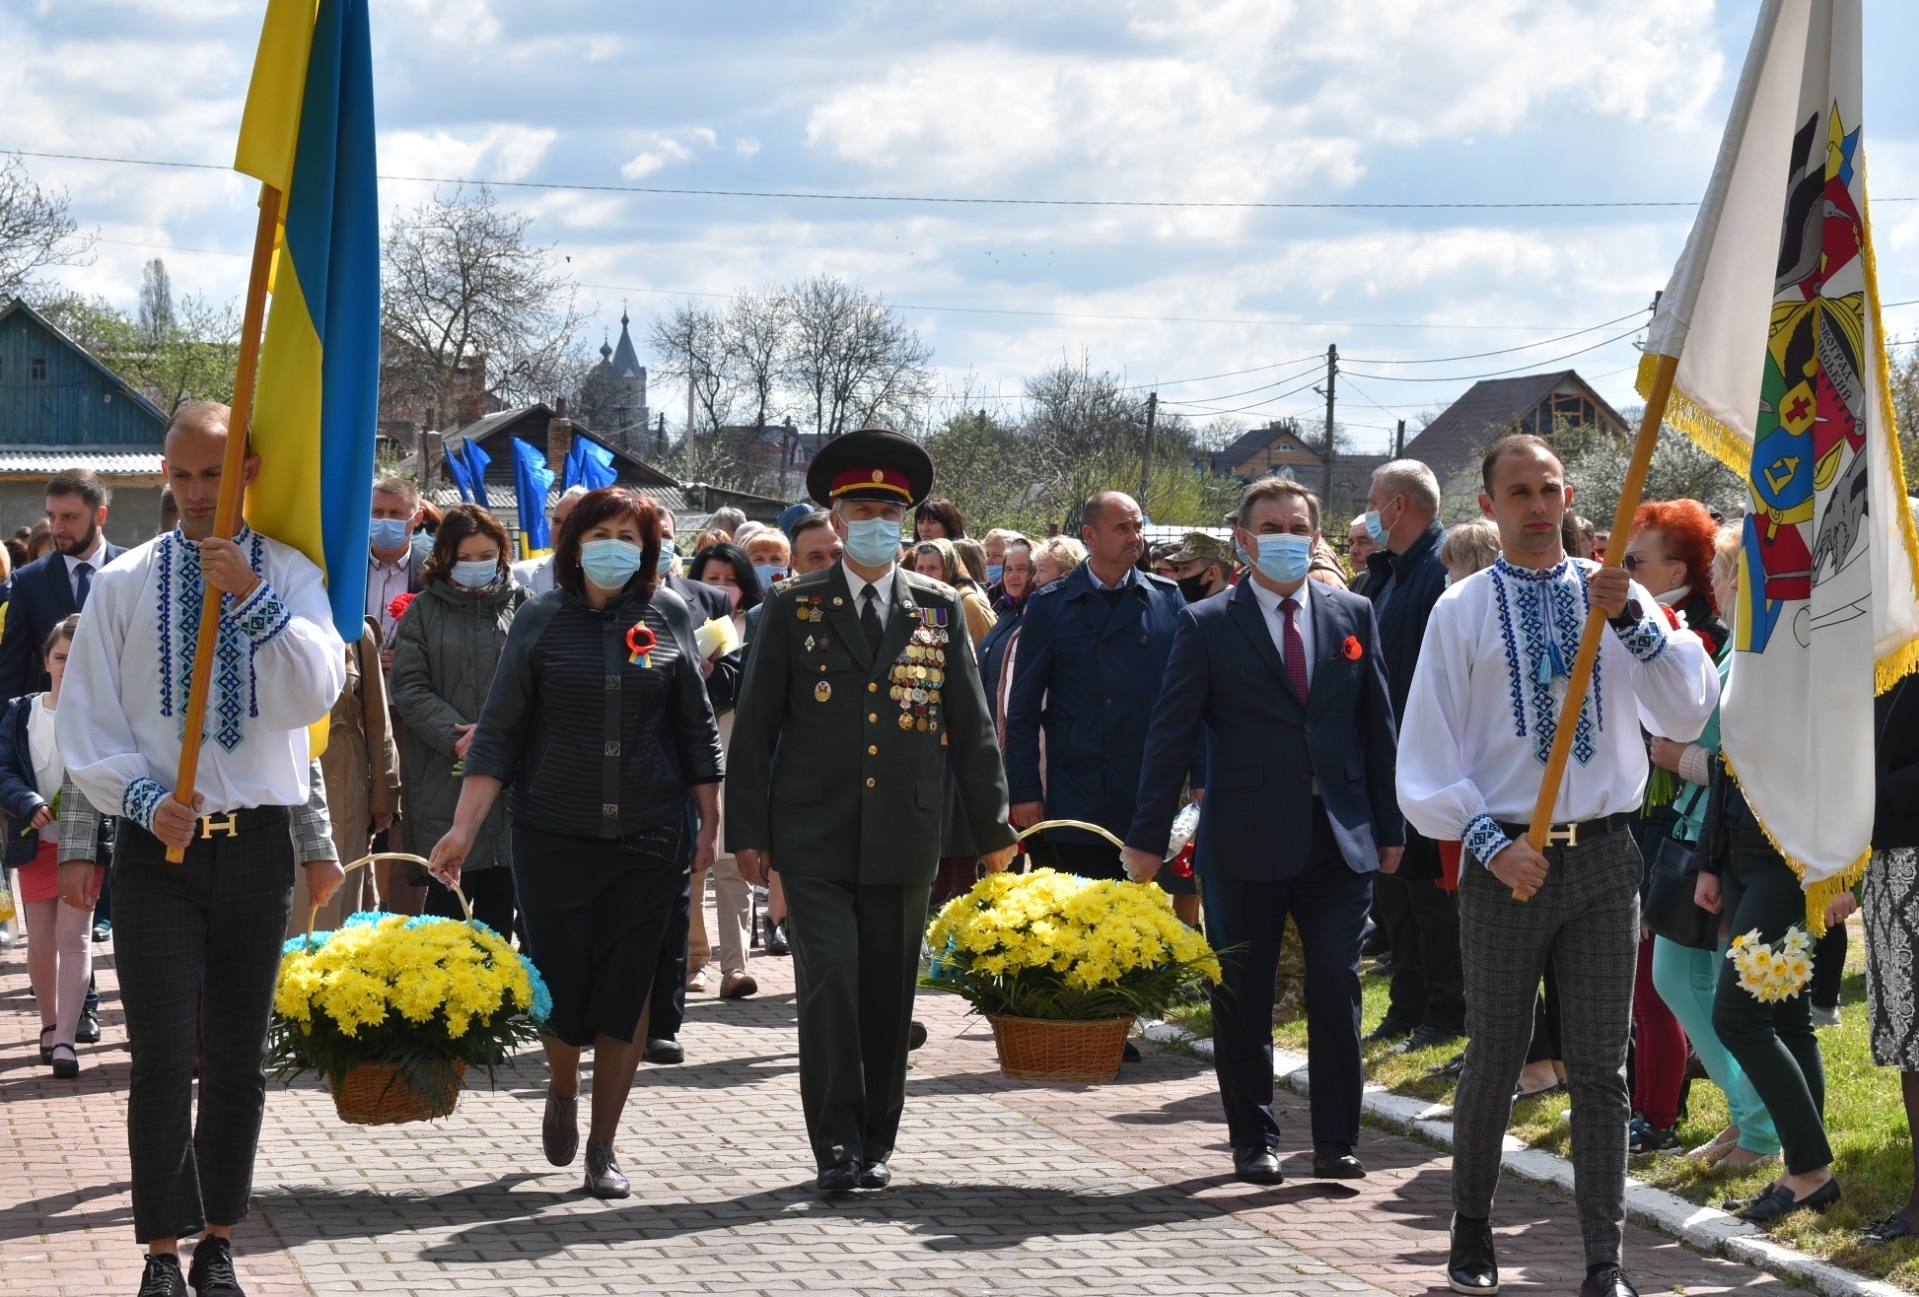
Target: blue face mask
610	564
475	574
669	561
768	573
1284	558
1376	527
872	542
993	572
388	533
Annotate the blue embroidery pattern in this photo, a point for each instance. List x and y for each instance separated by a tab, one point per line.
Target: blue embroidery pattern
234	645
1484	838
141	800
1646	640
1549	650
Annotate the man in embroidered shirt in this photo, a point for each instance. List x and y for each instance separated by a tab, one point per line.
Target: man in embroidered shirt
1478	724
199	942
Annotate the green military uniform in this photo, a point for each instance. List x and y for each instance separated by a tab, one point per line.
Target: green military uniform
835	770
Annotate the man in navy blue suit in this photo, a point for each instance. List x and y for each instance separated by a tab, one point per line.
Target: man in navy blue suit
1092	656
1284	677
55	586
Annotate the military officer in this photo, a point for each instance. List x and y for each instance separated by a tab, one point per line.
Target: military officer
858	679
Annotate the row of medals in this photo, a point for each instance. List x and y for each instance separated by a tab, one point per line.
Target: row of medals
917	680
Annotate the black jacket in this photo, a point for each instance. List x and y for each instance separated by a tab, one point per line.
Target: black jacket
708	602
1895	822
20	798
1404	588
593	744
42	596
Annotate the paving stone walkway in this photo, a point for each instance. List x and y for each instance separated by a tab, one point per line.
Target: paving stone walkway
1001	1188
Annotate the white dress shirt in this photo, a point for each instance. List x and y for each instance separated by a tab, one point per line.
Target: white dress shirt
279	667
882	592
1276	620
385	582
536	574
49	771
1485	698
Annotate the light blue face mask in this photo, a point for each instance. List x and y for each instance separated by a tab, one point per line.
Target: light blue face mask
388	533
669	564
1375	528
475	574
994	571
768	573
609	563
1282	558
872	542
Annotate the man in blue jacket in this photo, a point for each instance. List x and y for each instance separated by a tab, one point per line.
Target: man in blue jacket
1404	580
1092	657
1285	676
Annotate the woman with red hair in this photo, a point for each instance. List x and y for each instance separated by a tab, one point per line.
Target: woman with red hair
1670	554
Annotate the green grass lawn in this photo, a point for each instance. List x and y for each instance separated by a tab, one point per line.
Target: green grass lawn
1865	1122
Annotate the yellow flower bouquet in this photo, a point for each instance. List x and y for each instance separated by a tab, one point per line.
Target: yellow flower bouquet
1770	973
404	1002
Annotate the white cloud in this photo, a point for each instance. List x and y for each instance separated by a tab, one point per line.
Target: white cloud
503	152
660	153
746	146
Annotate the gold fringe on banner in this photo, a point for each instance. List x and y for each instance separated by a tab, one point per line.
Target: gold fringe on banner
1901	662
1706	432
1820	894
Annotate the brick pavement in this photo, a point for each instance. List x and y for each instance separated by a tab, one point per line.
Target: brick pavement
1001	1188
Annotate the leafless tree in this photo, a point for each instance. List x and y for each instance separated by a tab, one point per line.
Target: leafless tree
851	359
757	332
463	290
156	301
36	230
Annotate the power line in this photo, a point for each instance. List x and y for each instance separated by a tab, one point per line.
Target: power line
949	199
1499	373
1505	351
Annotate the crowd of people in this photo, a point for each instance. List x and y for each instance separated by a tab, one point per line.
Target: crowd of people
841	719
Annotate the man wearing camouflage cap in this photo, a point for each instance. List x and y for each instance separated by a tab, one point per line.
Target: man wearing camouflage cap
1203	565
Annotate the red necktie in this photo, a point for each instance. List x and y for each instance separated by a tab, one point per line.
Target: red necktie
1295	650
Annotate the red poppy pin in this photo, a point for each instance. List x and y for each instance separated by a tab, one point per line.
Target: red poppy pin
1351	649
640	641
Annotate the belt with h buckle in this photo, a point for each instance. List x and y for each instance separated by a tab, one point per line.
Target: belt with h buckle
236	822
1573	834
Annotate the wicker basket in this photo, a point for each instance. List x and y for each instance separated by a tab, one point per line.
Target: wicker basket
1042	1049
374	1094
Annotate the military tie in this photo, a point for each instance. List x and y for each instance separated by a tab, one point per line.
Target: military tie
1295	650
870	618
83	584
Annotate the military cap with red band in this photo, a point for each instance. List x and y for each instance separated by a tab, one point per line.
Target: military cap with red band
870	464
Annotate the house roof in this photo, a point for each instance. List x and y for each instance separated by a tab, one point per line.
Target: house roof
16	304
37	461
625	359
490	426
1248	444
503	500
1490	406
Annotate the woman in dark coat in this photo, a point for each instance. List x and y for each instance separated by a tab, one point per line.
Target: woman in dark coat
599	724
445	651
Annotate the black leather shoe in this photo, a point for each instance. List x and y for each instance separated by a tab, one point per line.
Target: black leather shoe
560	1129
1336	1162
603	1178
1471	1267
1257	1166
46	1049
1426	1038
66	1064
162	1277
776	942
88	1032
1388	1029
1130	1054
915	1035
876	1175
211	1274
1607	1281
661	1050
843	1178
1777	1201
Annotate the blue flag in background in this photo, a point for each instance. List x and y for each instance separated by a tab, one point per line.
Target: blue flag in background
532	479
466	464
588	464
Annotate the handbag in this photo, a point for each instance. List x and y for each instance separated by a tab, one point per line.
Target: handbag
1670	910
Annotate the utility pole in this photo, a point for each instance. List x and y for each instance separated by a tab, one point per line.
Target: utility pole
1332	375
689	402
1146	462
1399	441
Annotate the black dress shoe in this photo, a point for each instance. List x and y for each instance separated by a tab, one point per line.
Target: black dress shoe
1388	1029
875	1175
1607	1281
1889	1230
66	1064
915	1035
1336	1162
776	942
603	1177
662	1050
843	1178
1257	1166
1471	1267
1130	1054
162	1277
1777	1201
560	1129
211	1274
1426	1038
88	1032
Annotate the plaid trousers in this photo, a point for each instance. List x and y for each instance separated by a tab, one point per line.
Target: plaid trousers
1585	921
198	950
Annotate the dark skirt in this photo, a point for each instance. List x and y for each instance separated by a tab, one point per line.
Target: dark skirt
595	912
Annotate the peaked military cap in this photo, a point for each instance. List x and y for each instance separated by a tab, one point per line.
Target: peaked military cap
870	464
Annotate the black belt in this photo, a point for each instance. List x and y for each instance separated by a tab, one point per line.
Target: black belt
248	819
1574	834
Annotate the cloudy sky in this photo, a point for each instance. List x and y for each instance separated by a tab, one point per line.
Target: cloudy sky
1277	101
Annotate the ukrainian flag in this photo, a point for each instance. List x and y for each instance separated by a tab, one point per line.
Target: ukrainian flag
308	132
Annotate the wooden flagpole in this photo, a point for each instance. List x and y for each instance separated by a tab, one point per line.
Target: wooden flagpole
232	493
1629	495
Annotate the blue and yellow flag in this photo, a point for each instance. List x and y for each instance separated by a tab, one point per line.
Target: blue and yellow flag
308	132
